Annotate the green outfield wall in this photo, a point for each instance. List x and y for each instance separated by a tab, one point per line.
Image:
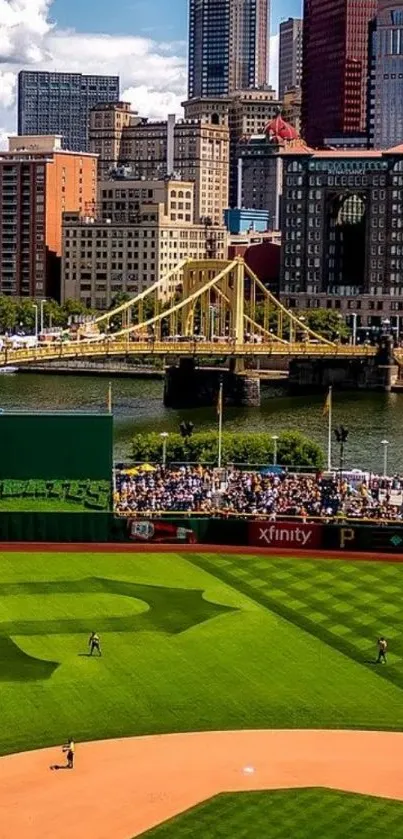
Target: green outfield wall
56	446
106	528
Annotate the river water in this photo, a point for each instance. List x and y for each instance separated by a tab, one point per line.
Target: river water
138	406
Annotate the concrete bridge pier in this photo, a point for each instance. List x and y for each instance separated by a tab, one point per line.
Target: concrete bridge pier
377	372
188	386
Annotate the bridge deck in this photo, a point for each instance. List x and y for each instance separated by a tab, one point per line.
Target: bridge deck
82	350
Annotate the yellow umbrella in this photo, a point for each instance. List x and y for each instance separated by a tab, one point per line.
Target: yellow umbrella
132	471
146	467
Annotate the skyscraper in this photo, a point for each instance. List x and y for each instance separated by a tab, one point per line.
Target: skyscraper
228	46
290	55
38	183
386	128
335	68
60	103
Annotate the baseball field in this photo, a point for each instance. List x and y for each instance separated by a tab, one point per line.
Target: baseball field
199	642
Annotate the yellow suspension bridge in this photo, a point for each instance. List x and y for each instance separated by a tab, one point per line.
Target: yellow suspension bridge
202	309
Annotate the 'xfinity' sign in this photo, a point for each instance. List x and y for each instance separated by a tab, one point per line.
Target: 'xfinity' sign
285	535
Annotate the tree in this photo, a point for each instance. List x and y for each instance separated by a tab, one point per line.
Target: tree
26	314
8	318
53	314
326	322
293	449
75	308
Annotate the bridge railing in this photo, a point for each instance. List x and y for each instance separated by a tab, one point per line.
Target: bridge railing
83	349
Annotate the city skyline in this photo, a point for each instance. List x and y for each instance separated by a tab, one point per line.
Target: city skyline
66	35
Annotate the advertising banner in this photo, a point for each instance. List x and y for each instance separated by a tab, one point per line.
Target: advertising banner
159	531
356	537
285	535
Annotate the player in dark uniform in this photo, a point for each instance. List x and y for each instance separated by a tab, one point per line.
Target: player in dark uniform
382	647
94	643
70	749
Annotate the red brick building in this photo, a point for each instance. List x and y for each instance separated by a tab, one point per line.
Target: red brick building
38	182
335	68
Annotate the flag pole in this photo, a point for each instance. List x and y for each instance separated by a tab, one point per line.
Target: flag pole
110	398
220	412
329	439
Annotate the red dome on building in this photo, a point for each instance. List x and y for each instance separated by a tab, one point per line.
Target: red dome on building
281	131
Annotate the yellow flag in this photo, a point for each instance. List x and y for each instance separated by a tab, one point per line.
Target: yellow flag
326	407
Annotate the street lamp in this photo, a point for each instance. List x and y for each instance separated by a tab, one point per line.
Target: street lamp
42	316
275	439
164	437
385	444
341	435
354	318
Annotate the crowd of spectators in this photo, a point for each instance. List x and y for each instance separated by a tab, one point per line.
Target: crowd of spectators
190	489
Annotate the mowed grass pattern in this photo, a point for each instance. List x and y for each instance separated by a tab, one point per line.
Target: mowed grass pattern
194	642
287	814
345	604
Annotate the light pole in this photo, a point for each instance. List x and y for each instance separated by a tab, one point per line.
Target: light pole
42	316
341	435
275	439
35	306
164	437
385	444
354	317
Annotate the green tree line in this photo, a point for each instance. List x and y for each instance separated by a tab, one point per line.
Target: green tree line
20	314
293	449
326	322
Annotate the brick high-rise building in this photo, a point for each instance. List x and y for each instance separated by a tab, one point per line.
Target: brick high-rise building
60	103
342	232
38	182
290	55
228	46
335	68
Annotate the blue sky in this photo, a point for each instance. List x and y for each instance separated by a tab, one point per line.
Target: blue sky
159	19
142	41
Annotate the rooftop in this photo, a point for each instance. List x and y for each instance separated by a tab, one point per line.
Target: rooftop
302	149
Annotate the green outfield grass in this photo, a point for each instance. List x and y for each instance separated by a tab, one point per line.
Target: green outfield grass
288	814
194	642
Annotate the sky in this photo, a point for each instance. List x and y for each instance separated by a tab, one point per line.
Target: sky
143	41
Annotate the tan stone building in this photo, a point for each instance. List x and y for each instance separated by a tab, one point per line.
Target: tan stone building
246	112
292	104
137	237
107	123
194	150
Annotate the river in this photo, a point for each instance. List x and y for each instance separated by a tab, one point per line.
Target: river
138	406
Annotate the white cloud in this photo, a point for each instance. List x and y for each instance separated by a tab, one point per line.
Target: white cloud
153	76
